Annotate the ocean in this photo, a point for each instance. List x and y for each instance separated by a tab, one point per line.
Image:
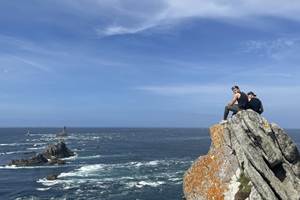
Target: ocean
110	163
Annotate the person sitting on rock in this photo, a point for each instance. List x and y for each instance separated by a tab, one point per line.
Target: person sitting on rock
254	103
239	102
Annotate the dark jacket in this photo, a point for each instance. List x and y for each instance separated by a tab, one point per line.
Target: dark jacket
256	105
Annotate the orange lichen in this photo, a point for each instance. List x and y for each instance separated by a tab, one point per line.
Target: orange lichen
217	135
202	178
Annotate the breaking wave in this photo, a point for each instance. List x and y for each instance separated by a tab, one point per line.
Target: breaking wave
141	184
34	167
106	175
16	144
14	152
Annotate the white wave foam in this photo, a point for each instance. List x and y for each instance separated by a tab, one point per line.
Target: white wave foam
155	163
78	150
149	163
36	148
136	164
39	144
43	189
84	137
140	184
83	171
67	184
46	182
8	167
148	183
43	134
176	179
94	169
33	167
76	157
152	163
71	158
15	144
88	157
14	152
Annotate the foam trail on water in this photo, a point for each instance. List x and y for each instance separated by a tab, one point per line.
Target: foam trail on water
141	184
43	189
83	171
34	167
15	144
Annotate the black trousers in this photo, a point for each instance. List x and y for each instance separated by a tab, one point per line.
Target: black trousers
234	109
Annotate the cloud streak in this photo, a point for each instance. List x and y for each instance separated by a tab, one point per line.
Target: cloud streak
118	17
186	89
276	48
32	64
174	11
195	89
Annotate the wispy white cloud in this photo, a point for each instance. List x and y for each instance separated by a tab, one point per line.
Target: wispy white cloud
130	17
120	30
275	48
117	17
276	44
220	89
186	89
18	65
233	8
23	45
22	54
32	64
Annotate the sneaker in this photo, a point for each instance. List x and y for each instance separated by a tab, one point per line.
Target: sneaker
223	122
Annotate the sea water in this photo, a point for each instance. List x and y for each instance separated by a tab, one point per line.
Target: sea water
109	164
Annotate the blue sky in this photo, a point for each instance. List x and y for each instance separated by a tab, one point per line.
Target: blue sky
158	63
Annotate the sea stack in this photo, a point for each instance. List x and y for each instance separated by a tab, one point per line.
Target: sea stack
249	158
58	150
51	155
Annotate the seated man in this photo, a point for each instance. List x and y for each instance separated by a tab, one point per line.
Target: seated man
242	102
254	103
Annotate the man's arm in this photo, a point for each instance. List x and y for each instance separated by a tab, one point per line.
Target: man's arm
235	98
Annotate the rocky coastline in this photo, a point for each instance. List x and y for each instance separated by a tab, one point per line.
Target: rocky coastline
249	159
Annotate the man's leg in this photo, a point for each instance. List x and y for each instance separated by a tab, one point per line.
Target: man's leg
233	108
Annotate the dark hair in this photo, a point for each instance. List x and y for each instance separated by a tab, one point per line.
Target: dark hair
252	93
235	87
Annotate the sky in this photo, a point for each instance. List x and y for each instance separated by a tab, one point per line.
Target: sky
150	63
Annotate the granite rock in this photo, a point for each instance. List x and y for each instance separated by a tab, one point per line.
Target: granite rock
249	158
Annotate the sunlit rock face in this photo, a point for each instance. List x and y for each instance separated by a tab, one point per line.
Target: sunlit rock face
249	158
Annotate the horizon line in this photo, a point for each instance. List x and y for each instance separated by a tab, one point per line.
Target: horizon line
124	127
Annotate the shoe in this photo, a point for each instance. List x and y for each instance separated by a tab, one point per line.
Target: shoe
223	122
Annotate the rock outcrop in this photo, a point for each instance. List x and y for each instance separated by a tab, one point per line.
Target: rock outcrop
58	150
39	159
52	177
51	156
249	158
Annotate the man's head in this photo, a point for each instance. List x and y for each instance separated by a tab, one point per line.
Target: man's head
235	89
251	95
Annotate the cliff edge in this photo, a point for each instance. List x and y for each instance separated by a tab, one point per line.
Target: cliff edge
249	158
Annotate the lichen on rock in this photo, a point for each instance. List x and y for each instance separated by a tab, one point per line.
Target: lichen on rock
249	158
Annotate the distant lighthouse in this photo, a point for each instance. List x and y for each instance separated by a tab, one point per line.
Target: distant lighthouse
63	133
